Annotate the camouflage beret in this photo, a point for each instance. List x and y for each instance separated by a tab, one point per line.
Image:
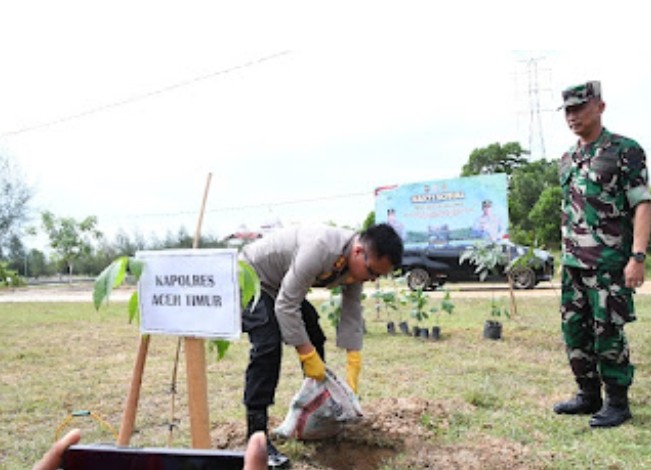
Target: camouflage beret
579	94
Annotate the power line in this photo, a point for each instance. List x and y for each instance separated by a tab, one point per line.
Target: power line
259	205
141	97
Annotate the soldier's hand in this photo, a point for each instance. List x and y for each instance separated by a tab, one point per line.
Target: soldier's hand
634	274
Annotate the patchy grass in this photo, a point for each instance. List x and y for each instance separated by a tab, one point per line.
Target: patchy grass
482	395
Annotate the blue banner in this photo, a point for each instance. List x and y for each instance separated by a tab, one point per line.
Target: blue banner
455	211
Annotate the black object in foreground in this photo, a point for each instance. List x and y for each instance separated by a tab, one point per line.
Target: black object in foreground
108	457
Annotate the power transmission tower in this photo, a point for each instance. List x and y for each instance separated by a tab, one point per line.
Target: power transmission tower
536	137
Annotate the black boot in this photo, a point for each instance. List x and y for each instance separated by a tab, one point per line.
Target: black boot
615	411
256	420
587	400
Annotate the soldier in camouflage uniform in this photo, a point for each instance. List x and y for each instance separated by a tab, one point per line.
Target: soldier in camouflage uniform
606	216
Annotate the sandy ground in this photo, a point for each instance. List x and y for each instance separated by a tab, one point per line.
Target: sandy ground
83	292
58	293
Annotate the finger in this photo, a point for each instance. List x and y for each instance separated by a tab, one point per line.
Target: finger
52	458
255	457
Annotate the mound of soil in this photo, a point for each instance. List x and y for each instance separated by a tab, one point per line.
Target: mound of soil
404	432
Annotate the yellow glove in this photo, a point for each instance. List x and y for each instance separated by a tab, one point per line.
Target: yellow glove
353	369
313	366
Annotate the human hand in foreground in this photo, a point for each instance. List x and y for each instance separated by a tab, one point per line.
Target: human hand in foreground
53	457
313	366
255	457
354	366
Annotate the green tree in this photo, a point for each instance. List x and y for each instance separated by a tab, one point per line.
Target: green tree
211	241
9	277
546	217
15	196
125	245
495	158
182	239
16	255
369	220
526	186
70	239
37	264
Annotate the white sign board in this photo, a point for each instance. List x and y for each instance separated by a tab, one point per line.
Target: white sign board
190	293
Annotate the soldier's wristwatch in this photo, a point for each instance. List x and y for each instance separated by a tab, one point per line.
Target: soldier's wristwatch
639	256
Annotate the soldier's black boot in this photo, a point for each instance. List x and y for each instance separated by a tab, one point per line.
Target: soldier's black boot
256	420
587	400
615	411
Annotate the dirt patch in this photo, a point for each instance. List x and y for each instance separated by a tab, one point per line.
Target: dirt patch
396	432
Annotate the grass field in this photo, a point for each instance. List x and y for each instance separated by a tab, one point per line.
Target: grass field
61	357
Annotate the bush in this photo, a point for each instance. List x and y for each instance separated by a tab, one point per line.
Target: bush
9	277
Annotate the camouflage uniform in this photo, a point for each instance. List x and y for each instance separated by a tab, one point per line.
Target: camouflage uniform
601	186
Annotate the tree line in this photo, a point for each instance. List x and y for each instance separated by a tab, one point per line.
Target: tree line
79	247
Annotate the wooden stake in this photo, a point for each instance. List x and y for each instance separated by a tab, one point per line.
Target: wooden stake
514	308
195	359
172	424
197	231
131	406
195	354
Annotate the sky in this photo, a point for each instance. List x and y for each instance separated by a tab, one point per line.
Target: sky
293	111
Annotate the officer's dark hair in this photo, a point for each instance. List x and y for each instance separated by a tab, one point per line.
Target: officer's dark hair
383	241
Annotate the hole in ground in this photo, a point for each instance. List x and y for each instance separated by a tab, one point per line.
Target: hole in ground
352	456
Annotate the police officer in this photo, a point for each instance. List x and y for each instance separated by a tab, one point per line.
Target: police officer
289	262
606	215
488	226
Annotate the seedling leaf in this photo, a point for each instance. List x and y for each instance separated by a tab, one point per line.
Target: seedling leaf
112	276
